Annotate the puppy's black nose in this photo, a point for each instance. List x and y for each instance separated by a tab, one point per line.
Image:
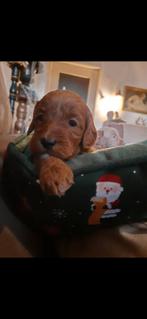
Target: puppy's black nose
48	143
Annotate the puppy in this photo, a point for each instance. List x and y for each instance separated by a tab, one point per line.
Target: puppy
63	127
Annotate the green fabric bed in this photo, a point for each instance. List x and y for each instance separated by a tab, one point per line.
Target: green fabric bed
110	188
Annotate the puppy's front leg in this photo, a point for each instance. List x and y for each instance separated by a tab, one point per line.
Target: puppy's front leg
55	176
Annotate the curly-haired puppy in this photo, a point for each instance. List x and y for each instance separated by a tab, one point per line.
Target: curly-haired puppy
63	127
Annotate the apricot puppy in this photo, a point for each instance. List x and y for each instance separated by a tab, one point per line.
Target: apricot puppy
63	127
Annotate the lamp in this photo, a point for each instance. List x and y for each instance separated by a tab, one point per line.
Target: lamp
109	103
118	101
118	92
101	94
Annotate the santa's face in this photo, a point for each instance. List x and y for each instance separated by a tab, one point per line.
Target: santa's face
109	190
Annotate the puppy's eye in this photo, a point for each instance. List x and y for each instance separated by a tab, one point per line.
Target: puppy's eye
72	122
40	118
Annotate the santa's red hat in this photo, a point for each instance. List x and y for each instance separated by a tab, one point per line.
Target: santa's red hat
110	178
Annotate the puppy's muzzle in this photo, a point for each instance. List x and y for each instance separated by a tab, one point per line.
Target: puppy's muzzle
47	143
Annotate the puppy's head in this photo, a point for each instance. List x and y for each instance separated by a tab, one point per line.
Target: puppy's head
63	125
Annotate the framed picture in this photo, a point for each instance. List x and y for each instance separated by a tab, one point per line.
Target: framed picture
135	100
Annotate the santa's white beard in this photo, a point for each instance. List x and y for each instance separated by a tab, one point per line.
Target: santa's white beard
109	196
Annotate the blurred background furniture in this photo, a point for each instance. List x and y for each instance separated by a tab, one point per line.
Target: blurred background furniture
116	134
21	92
134	133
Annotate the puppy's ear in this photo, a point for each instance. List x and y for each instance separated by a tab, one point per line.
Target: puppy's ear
90	133
32	125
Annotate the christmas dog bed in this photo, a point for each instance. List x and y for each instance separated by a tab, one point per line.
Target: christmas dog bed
110	189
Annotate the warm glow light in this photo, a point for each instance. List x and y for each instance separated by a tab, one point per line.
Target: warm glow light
110	103
118	102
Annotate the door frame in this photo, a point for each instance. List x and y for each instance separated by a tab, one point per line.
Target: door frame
76	69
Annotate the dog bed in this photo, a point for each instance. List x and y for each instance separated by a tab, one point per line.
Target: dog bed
110	189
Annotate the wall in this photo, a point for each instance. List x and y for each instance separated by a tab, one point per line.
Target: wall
114	75
5	113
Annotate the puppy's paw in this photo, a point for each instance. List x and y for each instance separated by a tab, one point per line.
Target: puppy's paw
56	177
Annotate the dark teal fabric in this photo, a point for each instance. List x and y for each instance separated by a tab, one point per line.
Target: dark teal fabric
73	211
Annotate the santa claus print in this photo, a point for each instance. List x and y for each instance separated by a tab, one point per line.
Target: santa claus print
109	188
